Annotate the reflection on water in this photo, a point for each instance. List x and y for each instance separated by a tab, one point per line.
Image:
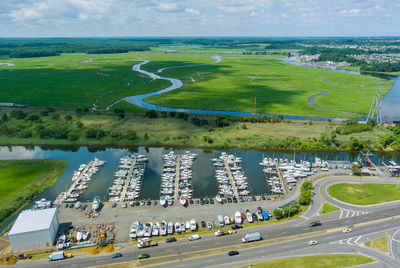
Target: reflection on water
204	183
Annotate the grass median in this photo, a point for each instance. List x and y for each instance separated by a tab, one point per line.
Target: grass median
327	208
317	261
365	193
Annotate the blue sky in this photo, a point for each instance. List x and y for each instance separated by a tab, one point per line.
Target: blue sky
70	18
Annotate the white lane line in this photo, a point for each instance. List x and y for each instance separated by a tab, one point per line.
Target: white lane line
348	241
348	212
395	240
356	241
352	215
341	213
358	213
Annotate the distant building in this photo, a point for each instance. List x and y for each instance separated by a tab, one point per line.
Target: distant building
335	164
34	229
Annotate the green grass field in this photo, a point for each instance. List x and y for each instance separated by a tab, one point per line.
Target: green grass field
327	208
317	261
381	244
279	88
78	80
367	194
22	180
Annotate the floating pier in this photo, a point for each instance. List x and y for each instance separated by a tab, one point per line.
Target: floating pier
77	181
127	180
177	176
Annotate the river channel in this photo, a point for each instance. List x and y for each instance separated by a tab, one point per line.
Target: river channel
390	107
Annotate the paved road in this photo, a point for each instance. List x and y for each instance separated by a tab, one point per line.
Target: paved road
331	242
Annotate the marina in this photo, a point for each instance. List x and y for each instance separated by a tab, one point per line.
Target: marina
204	181
80	179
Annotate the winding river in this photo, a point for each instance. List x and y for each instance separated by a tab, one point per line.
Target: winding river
390	107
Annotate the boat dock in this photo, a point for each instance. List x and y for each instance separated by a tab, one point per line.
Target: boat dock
128	178
177	176
77	181
280	176
230	176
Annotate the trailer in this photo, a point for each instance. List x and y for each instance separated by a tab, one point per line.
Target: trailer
251	237
221	220
55	256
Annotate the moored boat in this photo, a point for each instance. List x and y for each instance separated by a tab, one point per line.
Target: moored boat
162	200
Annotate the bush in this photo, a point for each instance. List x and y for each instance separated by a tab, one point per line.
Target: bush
305	193
131	135
73	136
120	113
55	116
18	114
278	214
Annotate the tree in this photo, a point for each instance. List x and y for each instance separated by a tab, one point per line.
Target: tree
18	114
356	169
131	135
55	116
278	214
355	144
4	117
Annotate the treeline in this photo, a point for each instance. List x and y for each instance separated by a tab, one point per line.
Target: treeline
392	140
286	212
381	67
305	193
24	48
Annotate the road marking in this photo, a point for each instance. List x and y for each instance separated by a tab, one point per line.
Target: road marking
341	213
395	240
348	212
352	215
358	213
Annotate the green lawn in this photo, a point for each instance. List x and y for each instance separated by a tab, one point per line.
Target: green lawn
22	180
328	208
367	194
317	261
381	244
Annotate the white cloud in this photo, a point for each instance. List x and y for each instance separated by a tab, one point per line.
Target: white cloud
170	7
350	12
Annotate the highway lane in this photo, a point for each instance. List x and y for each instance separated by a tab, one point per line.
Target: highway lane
333	242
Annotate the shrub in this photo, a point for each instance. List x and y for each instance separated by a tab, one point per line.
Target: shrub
18	114
131	135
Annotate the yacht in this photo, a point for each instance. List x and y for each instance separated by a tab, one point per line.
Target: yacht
193	225
182	199
238	217
96	203
170	229
162	200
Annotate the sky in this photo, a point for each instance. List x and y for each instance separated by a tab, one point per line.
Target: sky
85	18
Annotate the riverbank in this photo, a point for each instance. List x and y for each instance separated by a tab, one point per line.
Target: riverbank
175	130
22	180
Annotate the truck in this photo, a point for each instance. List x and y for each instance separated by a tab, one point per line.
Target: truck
220	233
55	256
146	244
221	220
251	237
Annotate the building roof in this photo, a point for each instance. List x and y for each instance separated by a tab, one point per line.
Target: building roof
33	220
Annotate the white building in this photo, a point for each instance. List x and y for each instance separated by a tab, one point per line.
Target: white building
34	229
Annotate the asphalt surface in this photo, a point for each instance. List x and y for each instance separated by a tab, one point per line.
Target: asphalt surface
329	235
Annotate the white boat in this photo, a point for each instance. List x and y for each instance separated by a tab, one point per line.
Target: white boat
177	227
162	200
163	228
42	203
218	198
226	220
85	235
79	236
96	203
193	225
147	229
156	228
182	199
170	228
182	227
238	217
187	225
249	217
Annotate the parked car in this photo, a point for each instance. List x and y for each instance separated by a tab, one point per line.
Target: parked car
124	205
191	201
114	205
143	256
116	255
211	201
171	239
233	253
234	200
206	201
203	224
229	200
155	202
236	226
209	226
132	204
148	202
263	197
